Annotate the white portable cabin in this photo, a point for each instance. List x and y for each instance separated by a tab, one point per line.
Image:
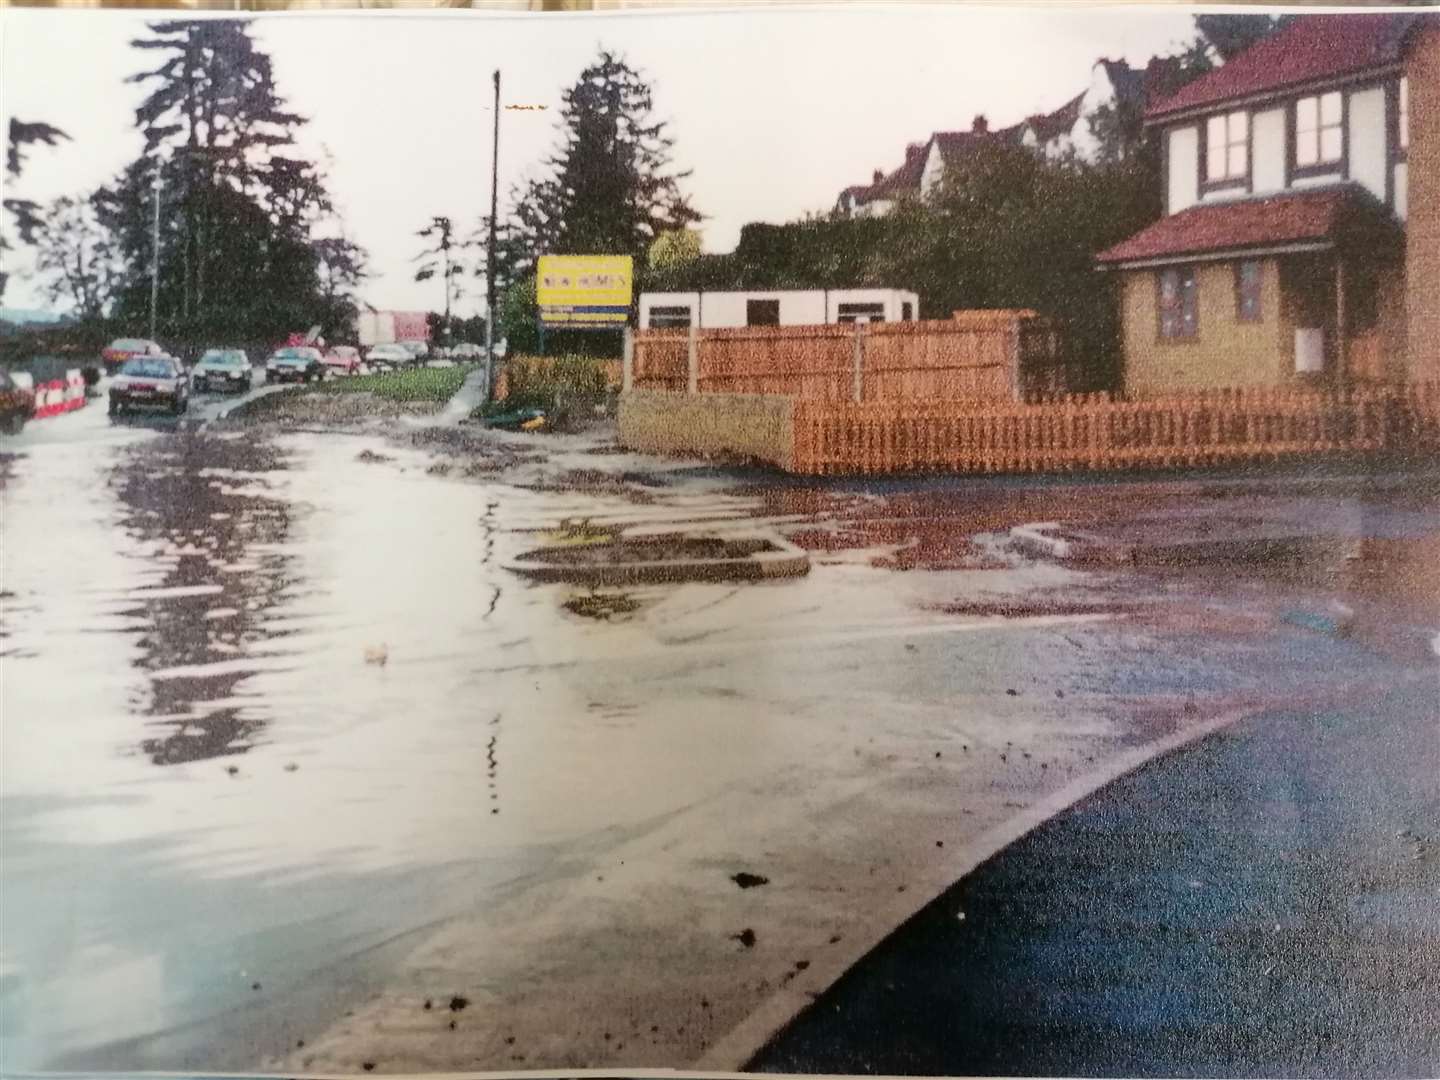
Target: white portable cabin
784	307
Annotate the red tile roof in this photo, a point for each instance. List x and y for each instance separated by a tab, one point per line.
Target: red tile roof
1327	214
1311	49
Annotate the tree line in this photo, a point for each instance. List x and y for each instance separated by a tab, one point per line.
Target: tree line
250	246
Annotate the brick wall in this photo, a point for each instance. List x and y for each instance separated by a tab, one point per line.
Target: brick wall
1225	353
1422	269
757	426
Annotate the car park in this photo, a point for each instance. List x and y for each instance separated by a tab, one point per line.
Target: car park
388	357
150	382
224	370
295	363
122	349
343	359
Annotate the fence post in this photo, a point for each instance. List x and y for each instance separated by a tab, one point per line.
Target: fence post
857	362
692	385
627	362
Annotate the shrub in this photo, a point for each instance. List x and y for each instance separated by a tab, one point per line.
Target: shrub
568	388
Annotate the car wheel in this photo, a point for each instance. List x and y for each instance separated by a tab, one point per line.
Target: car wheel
114	408
13	423
179	406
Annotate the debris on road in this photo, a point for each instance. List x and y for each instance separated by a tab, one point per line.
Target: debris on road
747	880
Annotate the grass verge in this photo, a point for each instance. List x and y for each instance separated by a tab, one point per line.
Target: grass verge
417	384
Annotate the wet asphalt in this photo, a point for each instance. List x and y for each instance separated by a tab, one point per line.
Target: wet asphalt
223	825
1263	903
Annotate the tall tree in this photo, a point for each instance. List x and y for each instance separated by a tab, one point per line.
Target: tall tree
609	187
75	256
23	213
441	258
1231	34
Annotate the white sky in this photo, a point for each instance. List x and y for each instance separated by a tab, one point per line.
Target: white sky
774	111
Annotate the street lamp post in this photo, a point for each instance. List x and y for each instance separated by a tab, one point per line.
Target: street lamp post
155	253
490	248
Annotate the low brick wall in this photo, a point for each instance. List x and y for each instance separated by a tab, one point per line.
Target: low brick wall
758	426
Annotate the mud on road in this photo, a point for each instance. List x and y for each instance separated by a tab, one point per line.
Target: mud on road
324	761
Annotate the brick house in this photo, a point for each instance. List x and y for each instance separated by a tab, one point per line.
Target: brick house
1301	236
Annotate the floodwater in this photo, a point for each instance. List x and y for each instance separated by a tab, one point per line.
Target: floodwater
274	712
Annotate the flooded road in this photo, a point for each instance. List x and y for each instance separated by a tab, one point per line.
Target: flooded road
283	742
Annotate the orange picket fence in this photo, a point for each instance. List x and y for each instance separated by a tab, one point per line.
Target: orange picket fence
1095	432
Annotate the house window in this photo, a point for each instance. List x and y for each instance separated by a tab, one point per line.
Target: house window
849	313
1319	130
1402	122
762	312
670	318
1179	307
1227	147
907	311
1249	276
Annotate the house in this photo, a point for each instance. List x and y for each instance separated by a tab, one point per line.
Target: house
786	307
1056	134
1300	242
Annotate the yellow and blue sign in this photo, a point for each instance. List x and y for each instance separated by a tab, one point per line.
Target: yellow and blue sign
584	292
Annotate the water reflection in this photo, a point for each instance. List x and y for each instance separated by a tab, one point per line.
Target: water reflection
199	506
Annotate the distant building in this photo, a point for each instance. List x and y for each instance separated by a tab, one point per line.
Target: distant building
1301	237
1055	134
387	327
772	307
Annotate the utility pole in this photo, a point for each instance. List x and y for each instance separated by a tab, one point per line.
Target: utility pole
490	248
155	253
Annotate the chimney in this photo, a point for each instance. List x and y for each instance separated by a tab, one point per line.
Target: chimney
980	125
877	176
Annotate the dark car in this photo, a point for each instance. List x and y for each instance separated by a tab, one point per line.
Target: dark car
222	369
295	363
17	404
150	382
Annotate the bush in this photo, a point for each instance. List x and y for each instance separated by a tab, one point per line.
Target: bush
568	388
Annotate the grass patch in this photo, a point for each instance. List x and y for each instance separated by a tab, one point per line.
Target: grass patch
416	384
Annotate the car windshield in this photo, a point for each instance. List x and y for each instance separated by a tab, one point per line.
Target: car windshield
223	358
294	354
149	368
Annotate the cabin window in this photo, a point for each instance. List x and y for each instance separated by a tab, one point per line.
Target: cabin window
1402	119
907	312
1227	147
1249	277
762	312
1319	130
670	318
849	313
1179	304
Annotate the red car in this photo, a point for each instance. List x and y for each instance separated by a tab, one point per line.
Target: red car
343	359
128	348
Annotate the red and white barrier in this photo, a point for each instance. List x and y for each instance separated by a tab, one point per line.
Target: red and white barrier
60	395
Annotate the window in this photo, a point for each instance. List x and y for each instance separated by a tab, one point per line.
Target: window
1319	130
907	312
1179	310
670	318
1227	148
1402	121
1249	276
849	313
762	312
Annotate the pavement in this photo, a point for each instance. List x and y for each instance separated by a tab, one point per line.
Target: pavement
1262	903
283	812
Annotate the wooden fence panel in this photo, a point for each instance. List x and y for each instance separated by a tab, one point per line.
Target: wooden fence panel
1088	433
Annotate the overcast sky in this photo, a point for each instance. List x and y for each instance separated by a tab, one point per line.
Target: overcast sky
774	111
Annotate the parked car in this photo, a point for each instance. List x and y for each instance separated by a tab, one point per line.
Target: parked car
386	357
150	381
344	359
222	369
128	348
468	350
418	350
17	404
295	363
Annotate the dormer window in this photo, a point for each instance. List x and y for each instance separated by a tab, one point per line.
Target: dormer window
1319	132
1227	148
